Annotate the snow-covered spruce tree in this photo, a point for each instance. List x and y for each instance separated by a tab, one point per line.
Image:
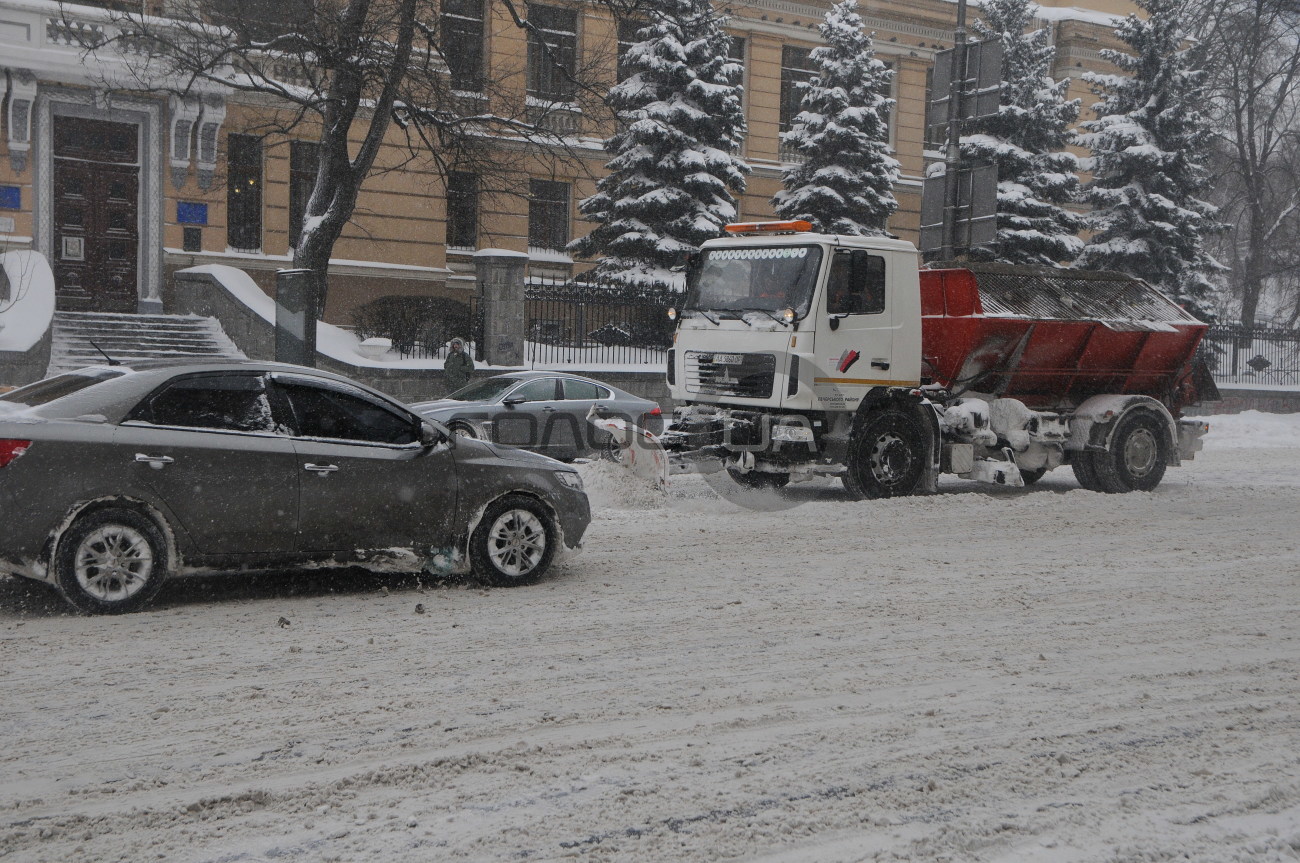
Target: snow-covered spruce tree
1026	140
845	183
673	169
1149	145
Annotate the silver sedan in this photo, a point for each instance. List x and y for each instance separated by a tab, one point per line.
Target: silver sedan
545	412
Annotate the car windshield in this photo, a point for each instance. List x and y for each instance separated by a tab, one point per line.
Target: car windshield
483	391
759	278
46	391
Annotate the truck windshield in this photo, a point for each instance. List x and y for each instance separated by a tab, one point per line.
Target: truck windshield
761	278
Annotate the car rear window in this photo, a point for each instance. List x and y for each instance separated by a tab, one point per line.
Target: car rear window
482	391
46	391
574	389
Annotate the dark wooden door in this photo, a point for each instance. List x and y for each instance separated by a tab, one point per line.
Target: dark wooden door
96	215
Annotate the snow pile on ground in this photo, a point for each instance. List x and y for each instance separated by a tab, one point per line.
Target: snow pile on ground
26	312
1252	429
612	486
1041	675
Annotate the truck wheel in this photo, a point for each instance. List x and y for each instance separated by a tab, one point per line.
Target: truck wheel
1084	472
886	456
1137	457
759	479
514	542
111	561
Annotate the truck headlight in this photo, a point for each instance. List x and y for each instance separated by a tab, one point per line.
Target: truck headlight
792	434
569	478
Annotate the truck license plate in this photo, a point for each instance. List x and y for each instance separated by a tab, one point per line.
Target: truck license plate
729	359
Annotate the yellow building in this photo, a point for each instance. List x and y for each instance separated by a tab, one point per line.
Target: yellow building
120	189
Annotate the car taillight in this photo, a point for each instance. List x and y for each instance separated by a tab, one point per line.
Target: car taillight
654	413
11	449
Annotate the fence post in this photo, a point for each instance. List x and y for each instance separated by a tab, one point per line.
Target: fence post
297	308
501	293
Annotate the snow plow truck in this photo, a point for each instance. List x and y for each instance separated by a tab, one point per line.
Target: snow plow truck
799	354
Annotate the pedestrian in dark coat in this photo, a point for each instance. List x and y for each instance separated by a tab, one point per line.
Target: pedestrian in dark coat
457	366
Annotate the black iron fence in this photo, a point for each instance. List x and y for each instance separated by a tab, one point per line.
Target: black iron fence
566	323
587	323
1260	354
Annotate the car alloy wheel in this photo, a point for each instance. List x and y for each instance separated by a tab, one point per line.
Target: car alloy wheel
516	542
113	562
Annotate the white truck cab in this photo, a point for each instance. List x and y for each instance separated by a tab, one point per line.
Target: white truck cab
778	317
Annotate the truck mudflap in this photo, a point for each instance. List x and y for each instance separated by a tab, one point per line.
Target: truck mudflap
638	450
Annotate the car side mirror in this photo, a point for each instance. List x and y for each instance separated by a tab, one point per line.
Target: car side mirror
514	400
432	434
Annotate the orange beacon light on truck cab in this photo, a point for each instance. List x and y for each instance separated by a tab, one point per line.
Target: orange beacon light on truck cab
768	227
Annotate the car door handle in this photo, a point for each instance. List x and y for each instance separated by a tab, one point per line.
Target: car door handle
549	409
154	461
321	469
880	364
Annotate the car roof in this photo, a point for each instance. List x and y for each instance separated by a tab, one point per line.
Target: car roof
533	374
115	397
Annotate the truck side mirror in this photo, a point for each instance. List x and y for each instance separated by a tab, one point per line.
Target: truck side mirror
859	265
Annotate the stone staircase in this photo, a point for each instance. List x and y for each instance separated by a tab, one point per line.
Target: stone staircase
133	338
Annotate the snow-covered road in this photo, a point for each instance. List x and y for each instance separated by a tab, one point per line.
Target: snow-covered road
982	675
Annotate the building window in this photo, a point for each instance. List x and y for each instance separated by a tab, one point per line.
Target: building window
548	215
462	43
936	125
244	192
796	68
462	210
627	30
304	156
887	113
552	65
736	52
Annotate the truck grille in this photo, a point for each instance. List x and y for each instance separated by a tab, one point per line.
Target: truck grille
716	374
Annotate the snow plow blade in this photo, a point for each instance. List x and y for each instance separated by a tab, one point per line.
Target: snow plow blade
638	450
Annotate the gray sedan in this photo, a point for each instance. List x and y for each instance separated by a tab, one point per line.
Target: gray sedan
113	479
541	411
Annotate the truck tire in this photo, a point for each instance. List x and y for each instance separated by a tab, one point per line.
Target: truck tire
1084	471
886	456
1137	456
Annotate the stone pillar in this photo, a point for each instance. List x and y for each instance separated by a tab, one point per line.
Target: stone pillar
501	292
297	308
